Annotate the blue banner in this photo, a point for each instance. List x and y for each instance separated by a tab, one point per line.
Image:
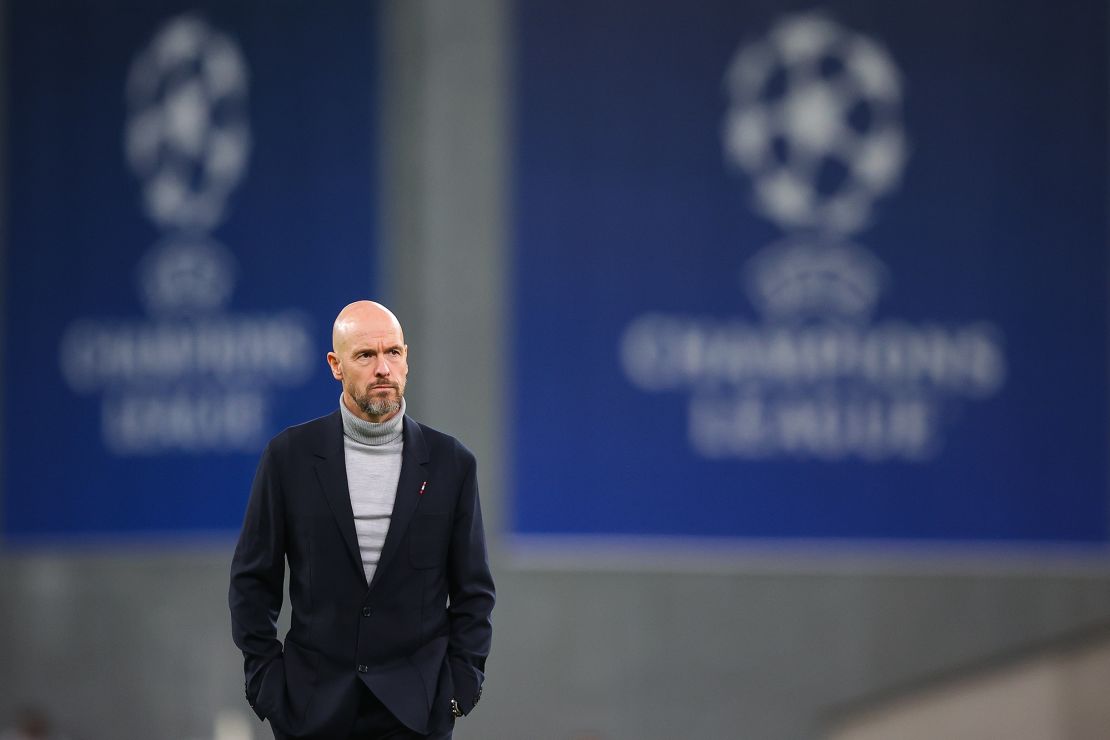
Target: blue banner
834	274
190	202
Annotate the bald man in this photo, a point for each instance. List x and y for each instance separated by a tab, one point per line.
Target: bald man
377	516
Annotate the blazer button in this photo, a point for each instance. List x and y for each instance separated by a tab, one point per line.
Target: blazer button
362	669
366	611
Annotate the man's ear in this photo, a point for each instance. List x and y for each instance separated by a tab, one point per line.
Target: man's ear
333	363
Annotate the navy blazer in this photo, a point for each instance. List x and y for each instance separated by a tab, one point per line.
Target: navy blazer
417	635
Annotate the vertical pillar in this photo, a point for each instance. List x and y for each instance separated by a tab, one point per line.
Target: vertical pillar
442	182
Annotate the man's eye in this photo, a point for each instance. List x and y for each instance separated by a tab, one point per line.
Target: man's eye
395	352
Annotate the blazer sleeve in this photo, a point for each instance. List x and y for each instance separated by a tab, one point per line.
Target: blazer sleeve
471	592
258	576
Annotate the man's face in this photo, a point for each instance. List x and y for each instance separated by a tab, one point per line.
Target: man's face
371	361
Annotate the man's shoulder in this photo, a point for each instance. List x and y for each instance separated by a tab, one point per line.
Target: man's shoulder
309	434
439	442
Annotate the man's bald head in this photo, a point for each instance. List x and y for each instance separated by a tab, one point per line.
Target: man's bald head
362	316
370	358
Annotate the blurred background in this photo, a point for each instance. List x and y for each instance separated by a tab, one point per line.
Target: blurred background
779	330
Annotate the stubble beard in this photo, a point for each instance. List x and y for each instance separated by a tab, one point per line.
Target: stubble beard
373	404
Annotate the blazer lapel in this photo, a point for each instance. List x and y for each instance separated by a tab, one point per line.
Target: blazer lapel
331	471
414	461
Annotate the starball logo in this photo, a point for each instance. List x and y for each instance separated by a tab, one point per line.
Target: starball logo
814	124
191	376
188	141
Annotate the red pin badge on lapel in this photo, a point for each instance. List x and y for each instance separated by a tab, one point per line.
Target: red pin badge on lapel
422	487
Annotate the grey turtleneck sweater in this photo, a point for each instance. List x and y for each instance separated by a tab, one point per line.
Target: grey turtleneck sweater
372	453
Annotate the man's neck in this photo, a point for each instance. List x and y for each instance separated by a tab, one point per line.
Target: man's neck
370	432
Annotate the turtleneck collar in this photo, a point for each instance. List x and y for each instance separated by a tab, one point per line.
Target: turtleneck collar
368	432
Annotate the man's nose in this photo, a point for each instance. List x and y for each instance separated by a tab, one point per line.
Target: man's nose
381	366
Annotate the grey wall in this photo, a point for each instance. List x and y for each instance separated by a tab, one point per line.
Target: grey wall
134	643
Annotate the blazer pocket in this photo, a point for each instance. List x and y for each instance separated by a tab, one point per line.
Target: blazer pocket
301	666
270	701
428	536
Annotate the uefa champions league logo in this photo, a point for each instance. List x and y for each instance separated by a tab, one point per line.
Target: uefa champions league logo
188	140
815	122
191	377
